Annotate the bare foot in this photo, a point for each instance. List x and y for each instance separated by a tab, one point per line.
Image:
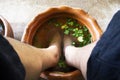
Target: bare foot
67	41
55	45
52	53
69	51
77	57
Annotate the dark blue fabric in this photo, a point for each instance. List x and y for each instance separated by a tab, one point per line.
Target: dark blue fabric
104	62
11	67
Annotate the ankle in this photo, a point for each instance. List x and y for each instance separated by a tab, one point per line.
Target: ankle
50	57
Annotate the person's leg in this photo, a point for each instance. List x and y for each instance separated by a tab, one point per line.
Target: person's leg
36	60
77	57
101	63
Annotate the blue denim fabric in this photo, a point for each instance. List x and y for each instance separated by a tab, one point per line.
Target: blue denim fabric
11	67
104	62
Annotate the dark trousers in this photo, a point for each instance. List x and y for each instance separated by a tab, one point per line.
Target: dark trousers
11	67
104	62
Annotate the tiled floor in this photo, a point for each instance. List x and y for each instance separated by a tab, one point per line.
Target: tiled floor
20	12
